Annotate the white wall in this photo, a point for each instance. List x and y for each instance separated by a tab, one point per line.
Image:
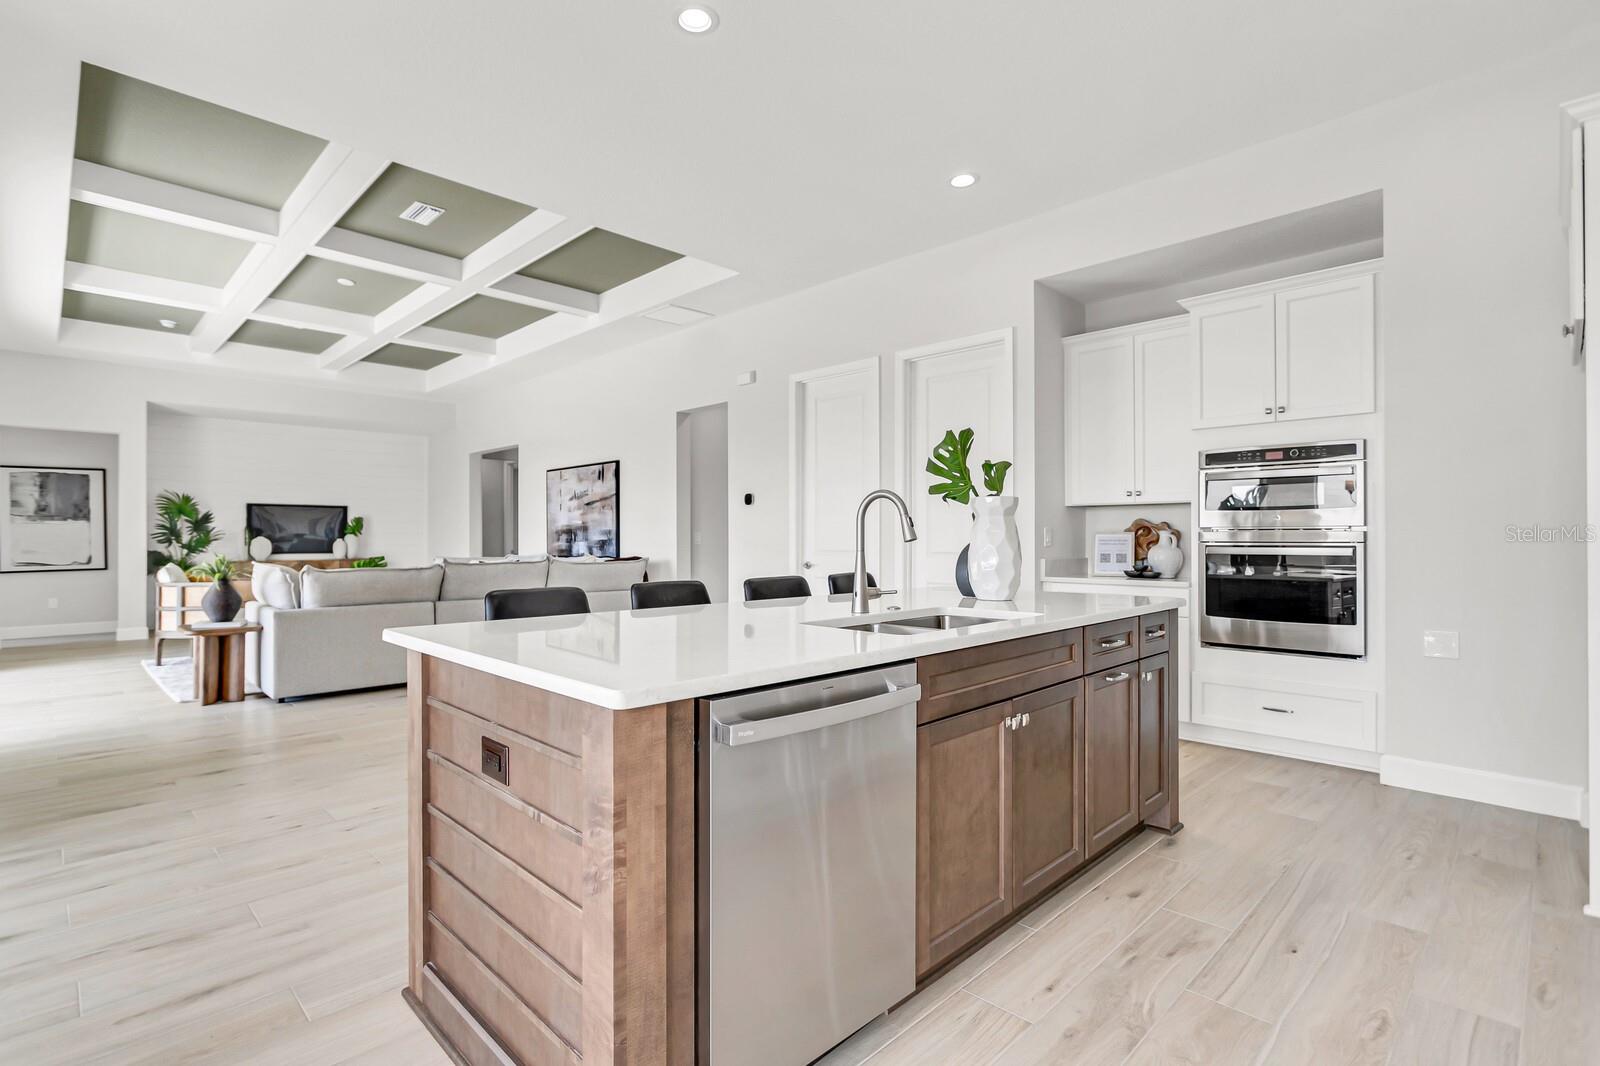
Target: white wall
52	392
1481	403
85	600
226	463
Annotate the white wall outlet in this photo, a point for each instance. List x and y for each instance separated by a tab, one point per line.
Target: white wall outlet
52	603
1441	644
746	377
1047	536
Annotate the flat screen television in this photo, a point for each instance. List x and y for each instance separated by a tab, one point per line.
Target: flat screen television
296	528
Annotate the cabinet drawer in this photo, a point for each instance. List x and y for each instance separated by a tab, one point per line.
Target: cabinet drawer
964	680
1346	718
543	847
1155	633
535	773
1111	644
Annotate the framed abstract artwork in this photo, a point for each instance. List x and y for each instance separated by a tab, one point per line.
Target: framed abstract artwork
582	510
55	519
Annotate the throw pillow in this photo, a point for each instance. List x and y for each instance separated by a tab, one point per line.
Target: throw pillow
276	586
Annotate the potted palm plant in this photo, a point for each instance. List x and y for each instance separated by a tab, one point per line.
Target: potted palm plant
221	601
994	556
182	532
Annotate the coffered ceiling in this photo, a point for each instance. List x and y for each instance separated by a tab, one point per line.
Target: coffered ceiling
199	234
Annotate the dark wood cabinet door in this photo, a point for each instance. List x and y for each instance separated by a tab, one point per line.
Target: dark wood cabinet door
1156	712
1111	755
963	831
1047	828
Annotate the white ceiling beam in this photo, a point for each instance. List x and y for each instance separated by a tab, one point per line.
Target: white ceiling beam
548	295
449	340
458	369
516	247
162	200
358	249
126	285
310	316
336	179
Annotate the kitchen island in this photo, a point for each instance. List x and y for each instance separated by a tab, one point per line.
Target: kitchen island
558	795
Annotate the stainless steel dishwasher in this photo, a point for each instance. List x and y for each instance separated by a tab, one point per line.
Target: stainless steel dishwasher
807	864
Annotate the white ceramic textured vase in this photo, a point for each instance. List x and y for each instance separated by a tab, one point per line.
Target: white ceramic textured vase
1166	558
994	560
339	548
352	547
260	549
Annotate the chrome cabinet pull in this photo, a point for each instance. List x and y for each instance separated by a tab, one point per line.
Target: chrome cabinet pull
1024	718
1282	409
1266	410
1110	678
1109	643
1277	710
1148	675
1129	492
1156	633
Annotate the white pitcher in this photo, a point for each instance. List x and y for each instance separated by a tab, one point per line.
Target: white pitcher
1166	558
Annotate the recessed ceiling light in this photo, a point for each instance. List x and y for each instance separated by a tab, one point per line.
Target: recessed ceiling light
168	323
348	283
697	19
964	181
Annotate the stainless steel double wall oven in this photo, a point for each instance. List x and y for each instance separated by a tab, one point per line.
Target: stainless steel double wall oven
1284	535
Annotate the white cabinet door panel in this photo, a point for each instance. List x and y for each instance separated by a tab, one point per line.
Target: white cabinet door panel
1163	423
1100	420
1234	361
1326	336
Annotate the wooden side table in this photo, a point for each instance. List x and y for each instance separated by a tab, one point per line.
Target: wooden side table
219	661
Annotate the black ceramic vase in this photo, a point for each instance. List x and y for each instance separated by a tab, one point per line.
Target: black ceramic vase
221	601
963	584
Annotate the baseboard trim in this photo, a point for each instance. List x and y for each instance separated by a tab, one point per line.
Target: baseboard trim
60	629
133	633
1286	747
1484	786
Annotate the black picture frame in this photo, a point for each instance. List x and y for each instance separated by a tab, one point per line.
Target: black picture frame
558	541
105	519
252	523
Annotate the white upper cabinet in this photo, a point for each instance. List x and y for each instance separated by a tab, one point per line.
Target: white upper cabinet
1302	347
1128	411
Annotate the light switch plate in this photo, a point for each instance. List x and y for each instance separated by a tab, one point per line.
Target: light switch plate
1441	644
1047	536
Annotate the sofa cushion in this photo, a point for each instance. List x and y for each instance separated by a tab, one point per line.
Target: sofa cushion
596	575
359	586
474	581
275	586
458	611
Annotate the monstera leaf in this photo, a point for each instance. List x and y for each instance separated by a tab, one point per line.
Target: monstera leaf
994	476
949	462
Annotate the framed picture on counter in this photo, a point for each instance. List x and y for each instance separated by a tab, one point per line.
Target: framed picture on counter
1113	553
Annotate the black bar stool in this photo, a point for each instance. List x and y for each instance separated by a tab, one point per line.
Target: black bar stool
534	603
845	584
668	594
775	588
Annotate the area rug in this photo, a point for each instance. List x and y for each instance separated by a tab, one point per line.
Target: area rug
175	677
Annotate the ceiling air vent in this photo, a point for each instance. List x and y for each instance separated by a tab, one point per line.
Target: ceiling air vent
422	214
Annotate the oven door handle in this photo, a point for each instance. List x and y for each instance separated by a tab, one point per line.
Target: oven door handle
1282	549
1265	473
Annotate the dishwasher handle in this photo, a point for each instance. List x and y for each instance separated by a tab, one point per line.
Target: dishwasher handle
734	734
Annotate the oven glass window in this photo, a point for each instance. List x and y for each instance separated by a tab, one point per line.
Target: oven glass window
1260	585
1290	492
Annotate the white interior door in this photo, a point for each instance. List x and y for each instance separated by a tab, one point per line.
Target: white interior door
835	456
964	384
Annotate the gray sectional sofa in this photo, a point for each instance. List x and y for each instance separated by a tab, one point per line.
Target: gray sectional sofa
322	630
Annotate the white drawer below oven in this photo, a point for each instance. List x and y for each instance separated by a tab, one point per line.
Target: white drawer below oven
1346	718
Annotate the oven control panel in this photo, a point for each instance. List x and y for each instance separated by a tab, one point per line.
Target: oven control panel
1286	453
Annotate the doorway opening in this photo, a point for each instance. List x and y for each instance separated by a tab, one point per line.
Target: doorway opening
703	497
497	498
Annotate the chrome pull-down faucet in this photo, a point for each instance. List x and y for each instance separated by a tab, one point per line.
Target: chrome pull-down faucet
908	529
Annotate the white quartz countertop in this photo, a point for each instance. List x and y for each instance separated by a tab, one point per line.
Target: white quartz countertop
623	659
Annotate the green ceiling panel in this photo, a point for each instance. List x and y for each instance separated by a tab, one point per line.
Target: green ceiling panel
144	129
115	311
484	316
599	260
316	281
471	216
290	338
409	356
103	237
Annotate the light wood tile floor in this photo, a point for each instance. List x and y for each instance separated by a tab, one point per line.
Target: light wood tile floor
226	885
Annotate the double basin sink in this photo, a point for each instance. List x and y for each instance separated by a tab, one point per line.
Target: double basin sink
910	625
